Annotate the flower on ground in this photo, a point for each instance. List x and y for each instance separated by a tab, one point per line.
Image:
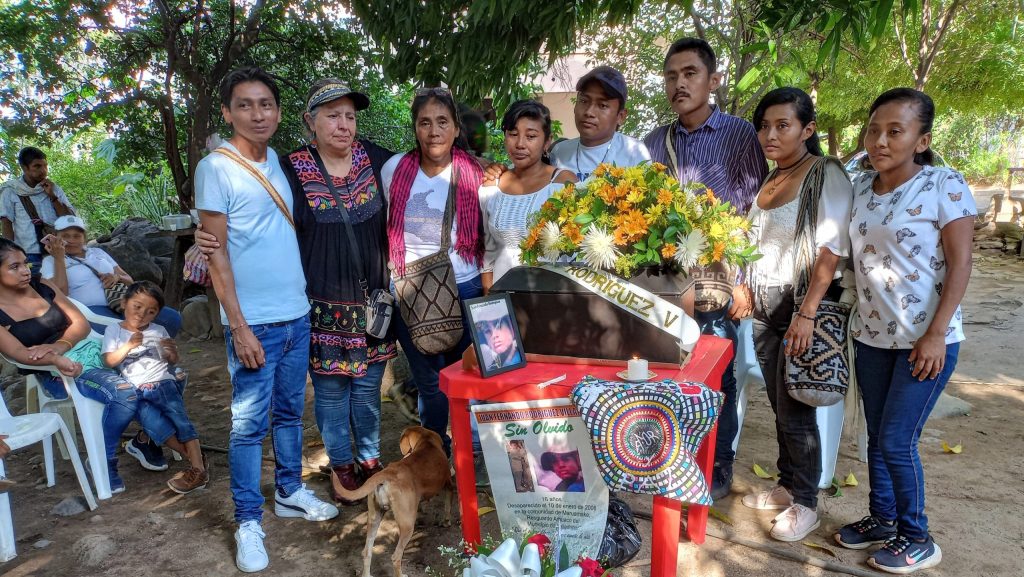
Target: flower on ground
549	237
591	568
599	248
690	248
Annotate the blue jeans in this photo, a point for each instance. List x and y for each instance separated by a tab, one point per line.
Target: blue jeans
719	324
162	413
426	369
348	407
168	318
279	386
896	406
120	403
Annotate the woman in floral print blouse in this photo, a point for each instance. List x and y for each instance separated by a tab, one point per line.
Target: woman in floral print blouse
911	231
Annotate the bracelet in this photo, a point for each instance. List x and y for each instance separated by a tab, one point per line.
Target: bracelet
65	341
803	316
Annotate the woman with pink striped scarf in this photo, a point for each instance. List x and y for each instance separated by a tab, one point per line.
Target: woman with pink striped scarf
416	185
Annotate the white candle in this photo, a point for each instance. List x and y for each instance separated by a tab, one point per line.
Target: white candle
636	369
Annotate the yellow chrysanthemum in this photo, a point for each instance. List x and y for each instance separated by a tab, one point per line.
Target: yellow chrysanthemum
632	223
600	171
635	195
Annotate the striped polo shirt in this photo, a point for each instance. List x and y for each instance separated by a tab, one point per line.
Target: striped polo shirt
723	153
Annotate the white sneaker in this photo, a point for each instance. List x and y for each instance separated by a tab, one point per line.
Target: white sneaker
250	554
778	497
795	523
303	503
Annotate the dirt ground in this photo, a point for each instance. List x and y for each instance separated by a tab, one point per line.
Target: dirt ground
975	499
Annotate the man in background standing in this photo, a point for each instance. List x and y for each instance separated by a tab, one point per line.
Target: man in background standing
31	203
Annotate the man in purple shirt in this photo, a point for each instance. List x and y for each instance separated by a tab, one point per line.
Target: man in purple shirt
707	145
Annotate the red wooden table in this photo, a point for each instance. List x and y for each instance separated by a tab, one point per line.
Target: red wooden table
706	364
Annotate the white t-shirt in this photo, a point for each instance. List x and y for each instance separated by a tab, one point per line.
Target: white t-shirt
424	216
898	258
775	227
145	363
83	284
621	150
264	252
13	210
505	218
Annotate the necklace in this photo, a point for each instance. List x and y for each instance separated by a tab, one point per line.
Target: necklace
789	170
579	171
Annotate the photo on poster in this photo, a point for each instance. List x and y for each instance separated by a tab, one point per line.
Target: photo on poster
561	470
519	462
492	325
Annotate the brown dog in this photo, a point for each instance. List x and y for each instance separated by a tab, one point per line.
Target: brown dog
422	473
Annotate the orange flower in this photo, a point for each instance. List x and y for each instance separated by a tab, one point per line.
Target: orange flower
712	200
531	239
619	237
600	170
658	167
623	205
572	232
617	171
664	196
719	251
548	206
607	194
668	250
632	223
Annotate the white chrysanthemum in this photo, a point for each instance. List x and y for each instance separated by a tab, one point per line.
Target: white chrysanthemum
549	237
690	248
698	208
599	248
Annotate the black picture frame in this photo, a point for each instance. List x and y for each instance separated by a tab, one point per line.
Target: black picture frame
483	314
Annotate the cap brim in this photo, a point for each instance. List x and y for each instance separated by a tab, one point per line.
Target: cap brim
608	88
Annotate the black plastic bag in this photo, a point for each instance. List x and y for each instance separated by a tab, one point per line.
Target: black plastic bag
621	540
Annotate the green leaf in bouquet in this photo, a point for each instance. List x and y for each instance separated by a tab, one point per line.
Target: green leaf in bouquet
641	246
585	218
654	241
670	233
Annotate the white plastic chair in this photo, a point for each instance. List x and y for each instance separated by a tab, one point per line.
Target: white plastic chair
25	430
36	398
748	374
90	420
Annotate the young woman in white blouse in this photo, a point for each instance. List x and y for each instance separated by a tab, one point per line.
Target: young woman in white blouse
508	201
911	229
800	217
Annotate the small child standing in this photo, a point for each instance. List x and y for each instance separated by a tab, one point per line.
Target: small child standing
142	352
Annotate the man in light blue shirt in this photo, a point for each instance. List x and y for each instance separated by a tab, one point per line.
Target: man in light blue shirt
244	200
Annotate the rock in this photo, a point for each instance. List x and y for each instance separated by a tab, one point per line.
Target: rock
42	544
990	244
69	506
137	229
133	257
164	263
154	518
96	519
92	550
950	406
195	318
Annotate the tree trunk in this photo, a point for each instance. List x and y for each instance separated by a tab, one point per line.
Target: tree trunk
172	151
833	141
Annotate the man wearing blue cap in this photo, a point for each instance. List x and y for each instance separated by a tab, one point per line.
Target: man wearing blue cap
600	110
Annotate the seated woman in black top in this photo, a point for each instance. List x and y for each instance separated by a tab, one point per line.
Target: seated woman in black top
38	326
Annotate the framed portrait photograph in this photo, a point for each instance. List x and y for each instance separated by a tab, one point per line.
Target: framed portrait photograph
492	325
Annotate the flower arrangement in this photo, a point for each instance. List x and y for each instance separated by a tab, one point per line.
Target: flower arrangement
534	556
622	219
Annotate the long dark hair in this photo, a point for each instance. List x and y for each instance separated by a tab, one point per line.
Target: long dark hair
925	114
8	246
444	97
802	105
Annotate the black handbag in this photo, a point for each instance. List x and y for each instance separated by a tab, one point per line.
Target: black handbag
379	302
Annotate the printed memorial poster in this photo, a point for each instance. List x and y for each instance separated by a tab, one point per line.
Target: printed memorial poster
543	474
